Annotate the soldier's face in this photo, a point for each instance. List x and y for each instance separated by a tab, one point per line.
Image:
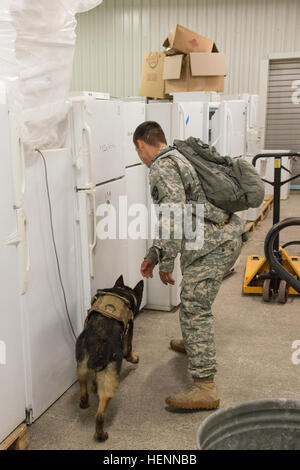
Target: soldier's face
142	152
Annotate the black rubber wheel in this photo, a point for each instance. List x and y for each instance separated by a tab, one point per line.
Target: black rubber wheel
283	292
267	290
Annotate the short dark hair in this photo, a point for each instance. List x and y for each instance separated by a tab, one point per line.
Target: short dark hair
150	132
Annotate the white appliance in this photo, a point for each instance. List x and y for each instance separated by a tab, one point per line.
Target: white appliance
209	110
97	135
12	378
228	128
52	291
252	102
188	119
195	96
252	132
159	296
134	113
161	112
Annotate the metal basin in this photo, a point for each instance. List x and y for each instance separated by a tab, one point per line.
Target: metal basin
272	424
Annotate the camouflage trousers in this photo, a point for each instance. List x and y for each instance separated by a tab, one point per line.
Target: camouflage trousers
201	282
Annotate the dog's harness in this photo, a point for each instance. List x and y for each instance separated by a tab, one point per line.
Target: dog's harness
113	303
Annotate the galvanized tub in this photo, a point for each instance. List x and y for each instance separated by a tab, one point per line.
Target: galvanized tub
272	424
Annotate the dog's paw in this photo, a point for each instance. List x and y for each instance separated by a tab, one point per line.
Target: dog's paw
84	403
101	437
133	359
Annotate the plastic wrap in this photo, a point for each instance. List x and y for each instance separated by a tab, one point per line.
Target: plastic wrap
37	40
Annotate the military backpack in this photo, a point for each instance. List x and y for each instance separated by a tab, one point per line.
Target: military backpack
232	184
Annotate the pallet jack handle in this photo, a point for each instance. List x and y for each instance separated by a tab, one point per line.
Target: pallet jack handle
277	183
270	255
277	155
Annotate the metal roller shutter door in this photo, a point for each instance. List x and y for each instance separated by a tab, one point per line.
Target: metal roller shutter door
283	115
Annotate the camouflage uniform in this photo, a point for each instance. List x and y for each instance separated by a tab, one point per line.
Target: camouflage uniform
174	180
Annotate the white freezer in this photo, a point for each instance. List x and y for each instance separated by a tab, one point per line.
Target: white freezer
12	377
133	115
136	191
49	344
188	120
161	113
228	128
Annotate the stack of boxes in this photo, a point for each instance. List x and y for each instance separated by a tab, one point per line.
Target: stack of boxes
190	62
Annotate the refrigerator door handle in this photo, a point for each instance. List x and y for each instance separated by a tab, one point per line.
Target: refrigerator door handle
18	162
86	130
22	165
181	117
20	240
252	114
93	242
229	140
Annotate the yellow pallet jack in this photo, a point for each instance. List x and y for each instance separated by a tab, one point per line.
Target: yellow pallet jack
261	275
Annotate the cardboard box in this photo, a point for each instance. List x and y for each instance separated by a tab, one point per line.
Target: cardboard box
196	71
152	82
184	40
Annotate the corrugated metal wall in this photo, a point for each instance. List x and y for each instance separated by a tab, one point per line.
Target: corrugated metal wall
112	38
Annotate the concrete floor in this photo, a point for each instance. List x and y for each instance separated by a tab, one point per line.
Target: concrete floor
254	353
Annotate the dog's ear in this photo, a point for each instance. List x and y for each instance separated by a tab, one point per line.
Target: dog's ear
119	282
139	290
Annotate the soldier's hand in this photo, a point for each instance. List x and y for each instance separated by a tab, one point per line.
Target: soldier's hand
166	278
147	267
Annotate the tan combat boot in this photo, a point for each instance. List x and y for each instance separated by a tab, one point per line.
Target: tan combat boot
201	396
177	345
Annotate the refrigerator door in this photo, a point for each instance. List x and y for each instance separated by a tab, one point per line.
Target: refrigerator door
136	187
50	359
209	109
188	120
104	118
161	113
80	142
110	253
12	390
133	115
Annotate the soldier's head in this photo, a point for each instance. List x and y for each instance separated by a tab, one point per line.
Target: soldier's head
148	138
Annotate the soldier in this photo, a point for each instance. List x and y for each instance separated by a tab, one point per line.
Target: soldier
173	180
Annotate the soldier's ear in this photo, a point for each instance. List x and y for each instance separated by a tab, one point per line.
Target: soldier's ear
119	282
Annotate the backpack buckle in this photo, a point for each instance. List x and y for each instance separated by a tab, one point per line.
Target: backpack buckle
221	224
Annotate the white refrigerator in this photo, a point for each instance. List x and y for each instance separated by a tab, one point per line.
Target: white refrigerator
134	113
228	128
12	377
51	300
159	296
96	139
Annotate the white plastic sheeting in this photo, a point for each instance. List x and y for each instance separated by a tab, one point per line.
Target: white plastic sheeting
37	41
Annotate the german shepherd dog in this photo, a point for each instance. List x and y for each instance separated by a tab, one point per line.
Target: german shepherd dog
100	349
